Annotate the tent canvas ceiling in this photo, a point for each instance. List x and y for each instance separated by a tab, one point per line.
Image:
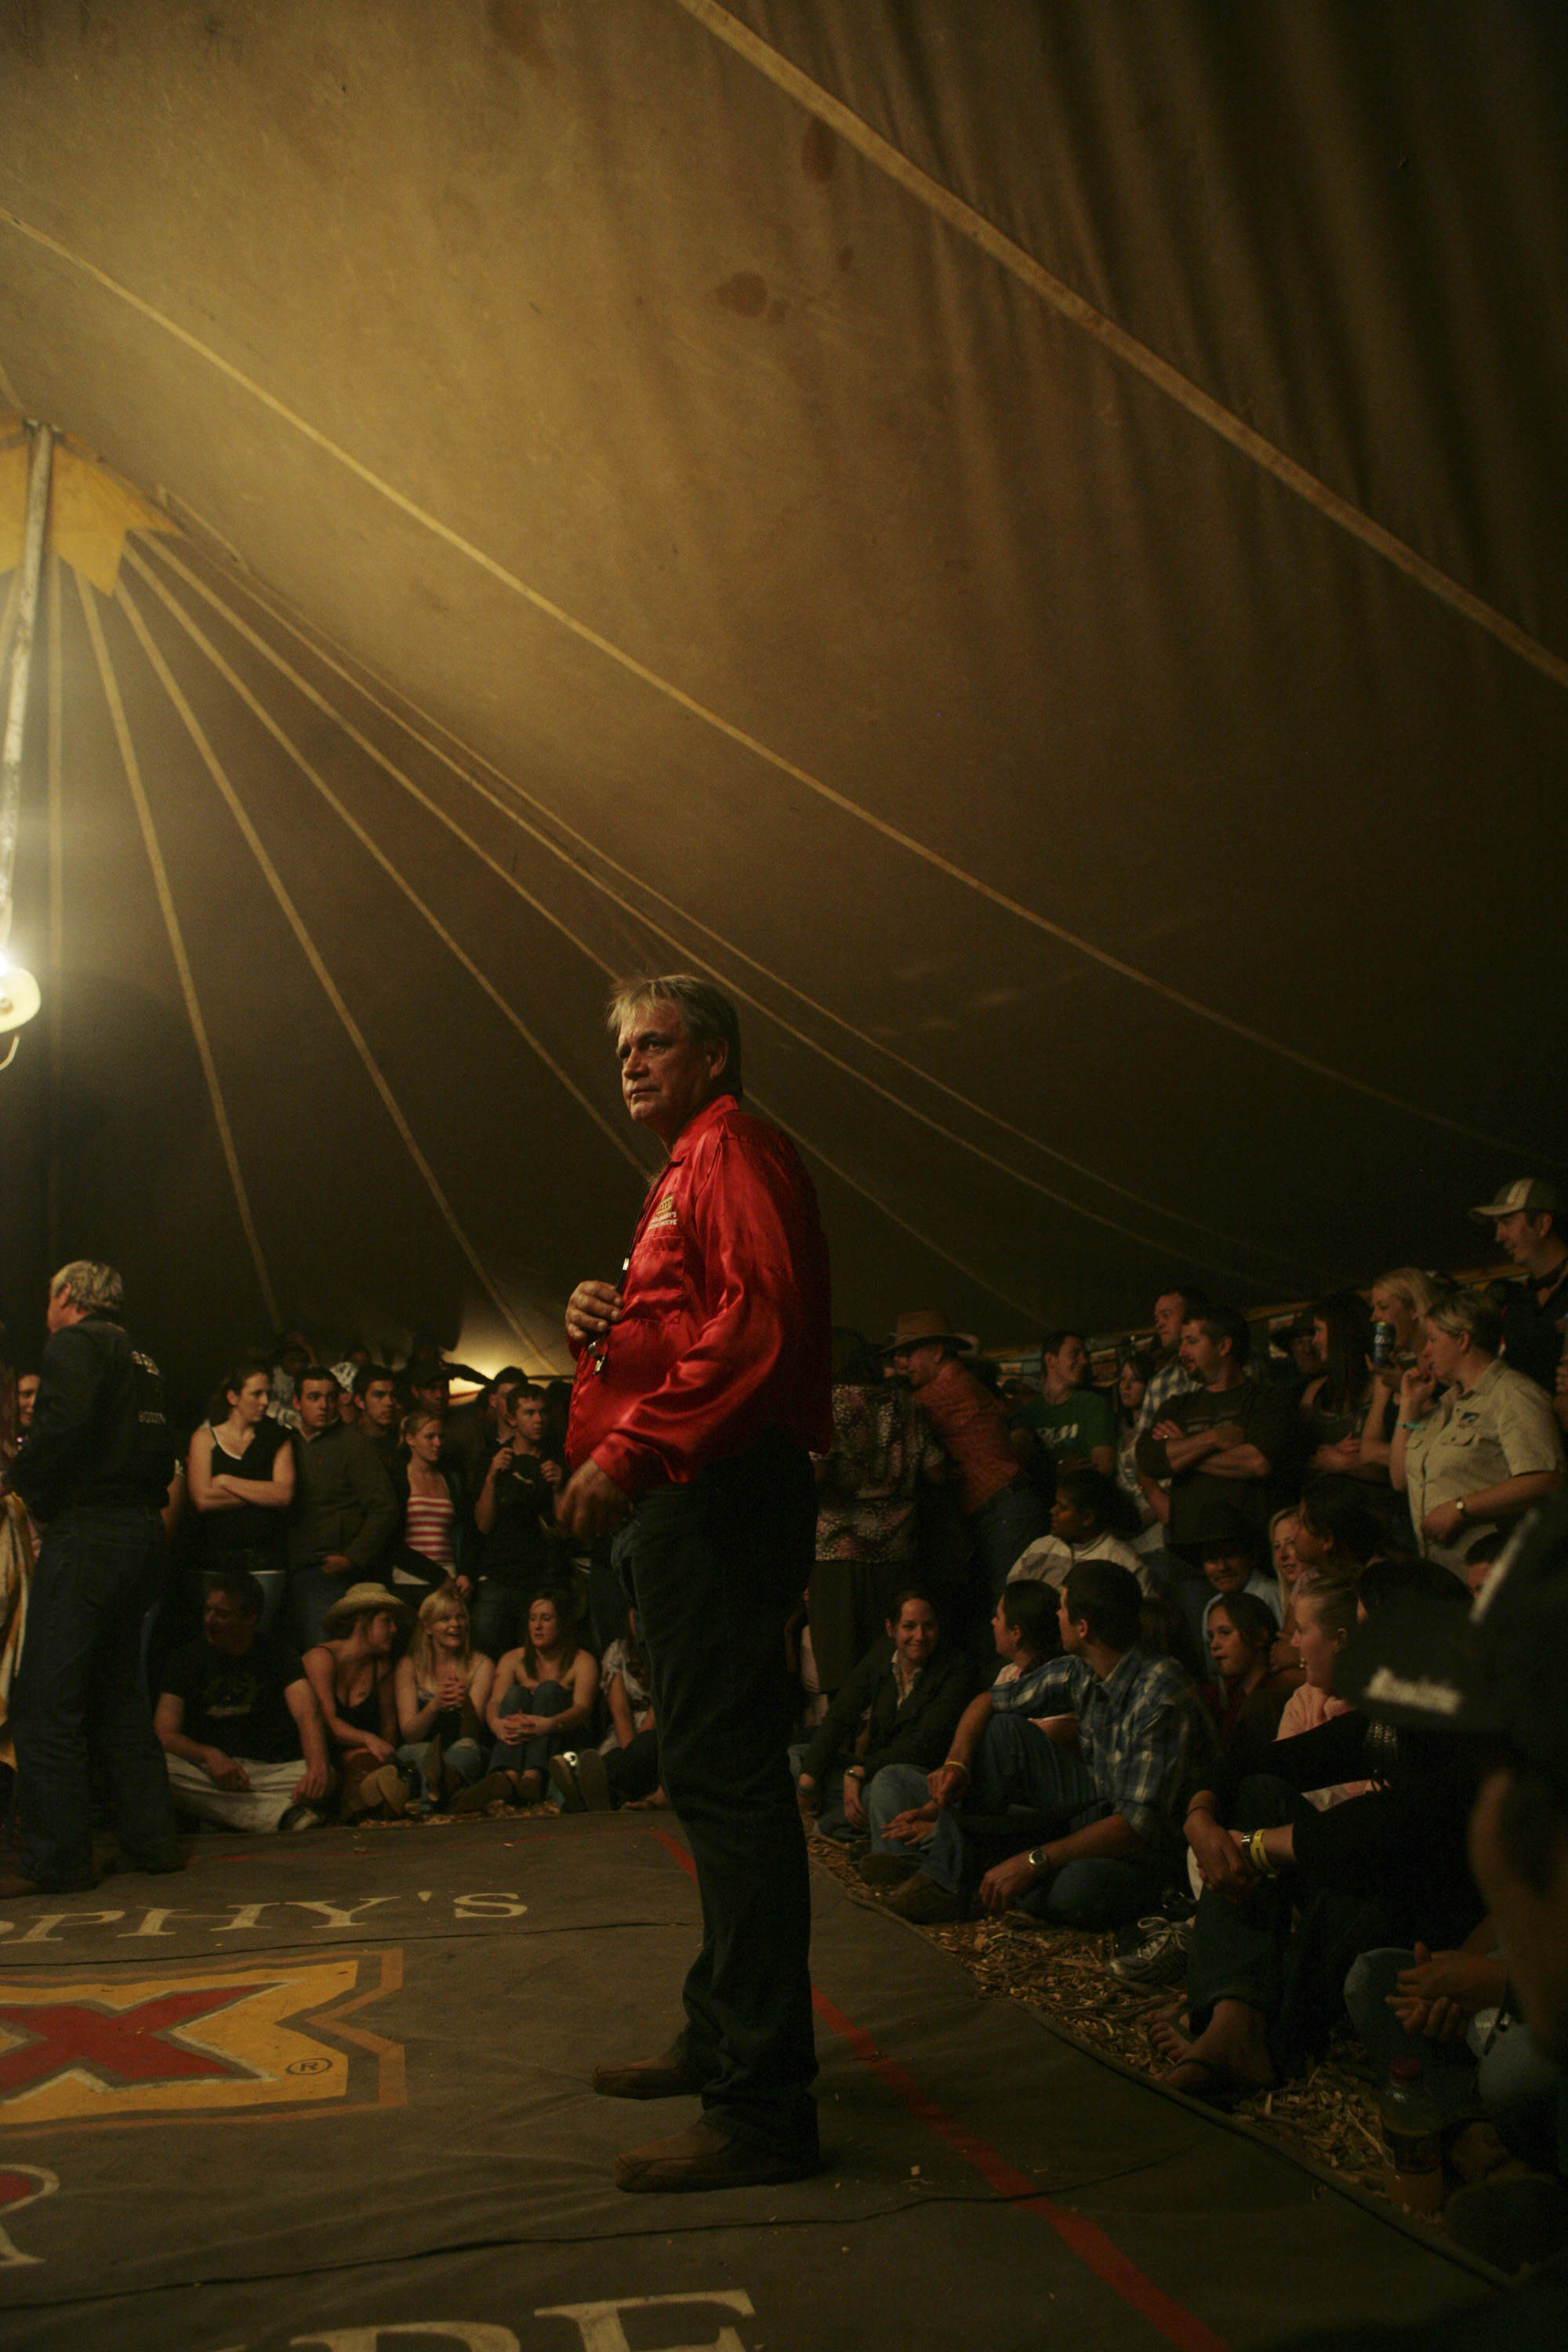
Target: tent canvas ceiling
1024	539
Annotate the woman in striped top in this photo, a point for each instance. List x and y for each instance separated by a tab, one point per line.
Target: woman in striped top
430	1523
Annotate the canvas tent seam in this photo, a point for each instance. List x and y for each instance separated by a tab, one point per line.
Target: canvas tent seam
827	792
281	737
223	670
514	1315
166	908
1079	312
637	914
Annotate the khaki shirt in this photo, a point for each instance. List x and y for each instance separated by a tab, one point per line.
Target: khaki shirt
1502	1428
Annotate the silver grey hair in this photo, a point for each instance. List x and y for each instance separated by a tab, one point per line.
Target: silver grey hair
97	1289
706	1013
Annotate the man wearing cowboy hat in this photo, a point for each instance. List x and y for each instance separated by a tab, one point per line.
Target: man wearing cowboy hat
1005	1514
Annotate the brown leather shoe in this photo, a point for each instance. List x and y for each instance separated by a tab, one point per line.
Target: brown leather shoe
887	1870
924	1902
666	2077
706	2158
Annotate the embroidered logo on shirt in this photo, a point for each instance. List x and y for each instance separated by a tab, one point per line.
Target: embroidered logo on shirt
664	1214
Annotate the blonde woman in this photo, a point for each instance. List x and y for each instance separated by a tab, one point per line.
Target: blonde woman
1403	1299
1478	1456
442	1687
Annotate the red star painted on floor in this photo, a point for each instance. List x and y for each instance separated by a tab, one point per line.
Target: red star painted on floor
123	2045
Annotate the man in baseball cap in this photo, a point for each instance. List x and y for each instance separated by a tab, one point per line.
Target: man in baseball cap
1529	1217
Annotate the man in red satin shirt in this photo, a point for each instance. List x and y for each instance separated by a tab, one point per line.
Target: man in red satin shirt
703	1388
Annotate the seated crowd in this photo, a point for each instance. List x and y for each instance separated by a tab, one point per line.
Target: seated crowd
1068	1653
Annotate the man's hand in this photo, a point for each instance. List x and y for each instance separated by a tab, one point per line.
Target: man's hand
854	1799
223	1769
311	1785
337	1563
591	1503
592	1311
501	1464
947	1784
1443	1522
1001	1887
912	1828
377	1749
1166	1430
1467	1979
551	1473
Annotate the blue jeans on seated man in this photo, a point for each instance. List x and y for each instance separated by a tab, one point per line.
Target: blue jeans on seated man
1514	2083
1016	1765
532	1755
832	1822
78	1691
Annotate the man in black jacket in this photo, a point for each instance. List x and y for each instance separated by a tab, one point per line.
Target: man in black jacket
915	1692
95	1472
345	1513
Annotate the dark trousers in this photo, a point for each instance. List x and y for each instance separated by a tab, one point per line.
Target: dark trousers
719	1566
79	1689
632	1772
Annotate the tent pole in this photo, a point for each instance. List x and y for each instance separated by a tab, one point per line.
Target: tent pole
21	669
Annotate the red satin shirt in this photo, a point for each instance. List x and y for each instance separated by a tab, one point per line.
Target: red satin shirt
727	1324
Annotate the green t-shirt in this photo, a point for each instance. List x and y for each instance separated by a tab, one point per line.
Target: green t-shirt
1082	1421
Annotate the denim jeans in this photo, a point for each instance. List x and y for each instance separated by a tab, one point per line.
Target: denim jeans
1525	2092
832	1820
496	1620
1014	1765
430	1763
719	1566
79	1691
531	1754
1004	1526
311	1593
1448	2067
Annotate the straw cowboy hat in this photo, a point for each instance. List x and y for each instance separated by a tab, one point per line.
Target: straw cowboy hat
358	1601
913	1330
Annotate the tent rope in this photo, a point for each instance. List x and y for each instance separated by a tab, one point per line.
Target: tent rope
683	949
1553	664
514	1316
166	908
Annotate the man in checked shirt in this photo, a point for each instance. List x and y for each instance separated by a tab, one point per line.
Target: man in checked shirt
1106	1751
703	1388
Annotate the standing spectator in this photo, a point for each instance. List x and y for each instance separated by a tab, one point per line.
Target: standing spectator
474	1430
1478	1456
900	1706
1336	1405
1074	1423
345	1512
702	1388
345	1374
242	1735
868	1487
94	1471
290	1358
442	1686
240	1479
514	1513
1528	1219
379	1417
428	1554
1132	1387
1169	1377
1003	1512
1224	1439
1403	1300
353	1675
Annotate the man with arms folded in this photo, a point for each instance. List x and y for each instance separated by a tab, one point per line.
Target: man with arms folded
703	1388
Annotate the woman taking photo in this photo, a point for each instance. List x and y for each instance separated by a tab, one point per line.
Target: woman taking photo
240	1480
543	1696
441	1688
1474	1459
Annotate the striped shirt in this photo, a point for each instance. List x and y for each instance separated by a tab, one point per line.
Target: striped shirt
1171	1380
428	1527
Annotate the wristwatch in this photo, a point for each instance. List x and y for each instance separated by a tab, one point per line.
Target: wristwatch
1039	1860
1459	1506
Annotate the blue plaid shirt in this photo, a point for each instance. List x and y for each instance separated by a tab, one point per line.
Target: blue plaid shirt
1137	1732
1171	1380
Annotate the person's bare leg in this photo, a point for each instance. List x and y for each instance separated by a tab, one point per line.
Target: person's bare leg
1230	2055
